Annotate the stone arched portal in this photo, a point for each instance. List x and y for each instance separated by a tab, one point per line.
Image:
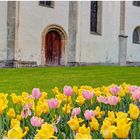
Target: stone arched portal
54	31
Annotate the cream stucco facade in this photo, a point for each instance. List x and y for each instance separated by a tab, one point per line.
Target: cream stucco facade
24	25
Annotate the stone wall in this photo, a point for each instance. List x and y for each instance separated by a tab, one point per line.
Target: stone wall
132	20
95	48
33	19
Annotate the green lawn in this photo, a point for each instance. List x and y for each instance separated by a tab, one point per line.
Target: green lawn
24	79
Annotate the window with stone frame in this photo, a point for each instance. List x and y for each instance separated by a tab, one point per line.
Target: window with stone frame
136	3
136	35
47	3
95	17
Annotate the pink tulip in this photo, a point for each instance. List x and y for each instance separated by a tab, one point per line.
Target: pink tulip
132	88
87	94
89	114
37	122
114	90
36	93
138	88
106	100
26	111
76	111
53	103
136	94
113	100
68	91
100	99
135	91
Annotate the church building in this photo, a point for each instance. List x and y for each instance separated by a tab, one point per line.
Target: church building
68	33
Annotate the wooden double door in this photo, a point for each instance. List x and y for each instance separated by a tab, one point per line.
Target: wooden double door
52	48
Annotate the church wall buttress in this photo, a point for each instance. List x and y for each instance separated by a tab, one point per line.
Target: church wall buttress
73	9
11	19
122	36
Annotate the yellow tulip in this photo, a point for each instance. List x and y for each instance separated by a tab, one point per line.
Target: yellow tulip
26	128
83	133
46	132
97	91
111	116
24	95
134	111
19	117
24	99
94	124
67	99
55	90
80	100
68	107
3	102
99	113
122	129
75	89
107	131
38	110
11	113
80	120
16	99
121	93
60	97
14	122
74	123
82	136
42	107
125	87
43	96
84	130
16	132
121	115
107	121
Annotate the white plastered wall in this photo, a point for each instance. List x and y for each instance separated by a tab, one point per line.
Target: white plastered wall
33	19
3	30
103	48
132	20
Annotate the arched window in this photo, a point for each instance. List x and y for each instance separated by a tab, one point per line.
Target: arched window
136	35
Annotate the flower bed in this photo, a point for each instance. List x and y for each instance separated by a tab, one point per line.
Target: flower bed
85	112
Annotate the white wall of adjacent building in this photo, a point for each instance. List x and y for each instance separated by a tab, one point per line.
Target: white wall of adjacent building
132	20
3	30
102	48
33	19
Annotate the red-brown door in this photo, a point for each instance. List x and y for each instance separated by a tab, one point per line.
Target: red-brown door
52	48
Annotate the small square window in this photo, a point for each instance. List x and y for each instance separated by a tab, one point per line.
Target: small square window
46	3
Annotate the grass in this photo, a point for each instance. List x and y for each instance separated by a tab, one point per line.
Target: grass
24	79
